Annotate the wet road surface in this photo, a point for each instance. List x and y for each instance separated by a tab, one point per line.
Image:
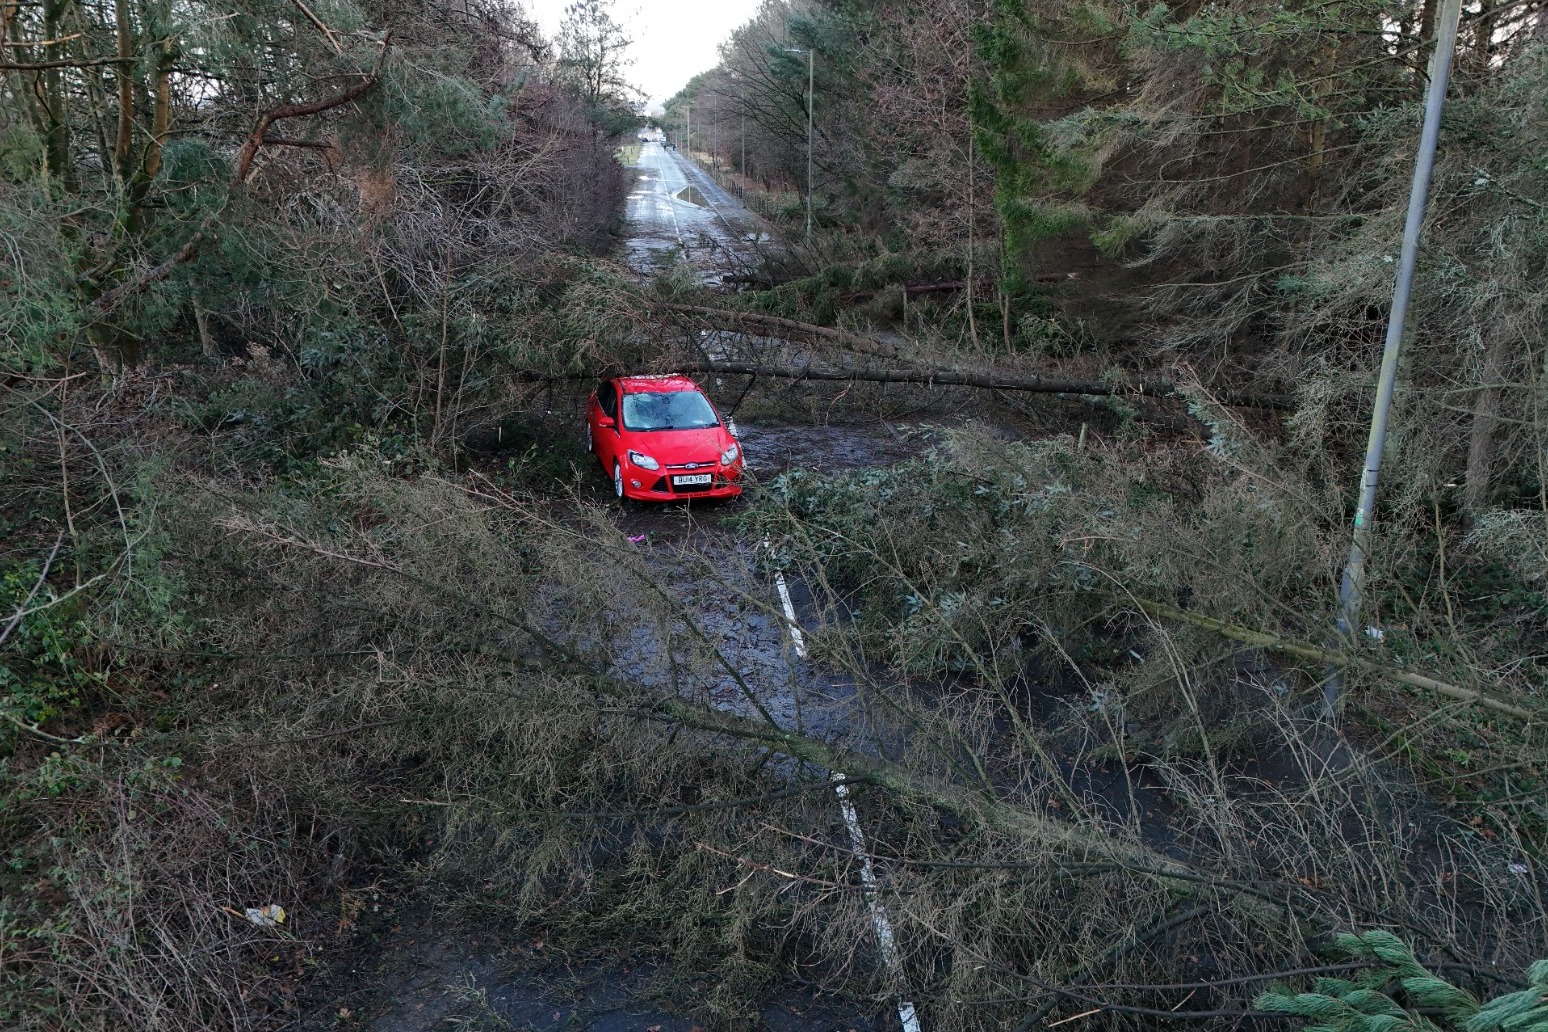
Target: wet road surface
678	213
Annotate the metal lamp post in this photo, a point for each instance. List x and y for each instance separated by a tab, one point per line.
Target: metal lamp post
1352	584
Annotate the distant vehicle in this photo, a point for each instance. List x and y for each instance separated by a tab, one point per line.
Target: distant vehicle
660	439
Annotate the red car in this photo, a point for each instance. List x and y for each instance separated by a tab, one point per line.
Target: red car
659	438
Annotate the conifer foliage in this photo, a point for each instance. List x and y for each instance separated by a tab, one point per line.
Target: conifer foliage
1397	994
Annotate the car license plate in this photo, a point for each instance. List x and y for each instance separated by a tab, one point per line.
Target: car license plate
689	480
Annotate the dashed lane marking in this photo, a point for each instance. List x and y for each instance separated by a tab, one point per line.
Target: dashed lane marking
886	940
797	639
666	196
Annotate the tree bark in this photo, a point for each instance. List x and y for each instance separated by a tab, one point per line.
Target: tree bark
161	117
206	339
730	316
124	71
1427	20
55	113
1024	383
1486	416
1483	35
8	11
244	161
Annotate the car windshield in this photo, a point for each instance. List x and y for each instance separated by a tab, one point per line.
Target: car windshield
668	410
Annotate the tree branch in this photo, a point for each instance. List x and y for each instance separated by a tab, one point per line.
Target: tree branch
40	66
1316	654
21	610
110	300
328	33
249	149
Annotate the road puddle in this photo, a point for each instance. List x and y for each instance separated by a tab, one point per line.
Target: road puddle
693	195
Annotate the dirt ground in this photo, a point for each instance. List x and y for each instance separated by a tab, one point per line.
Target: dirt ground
413	969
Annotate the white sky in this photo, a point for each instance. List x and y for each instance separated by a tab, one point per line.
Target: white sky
674	40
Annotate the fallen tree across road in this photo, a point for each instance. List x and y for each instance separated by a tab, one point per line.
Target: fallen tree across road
1030	383
723	317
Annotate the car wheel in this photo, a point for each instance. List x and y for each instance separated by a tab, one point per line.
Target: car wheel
618	480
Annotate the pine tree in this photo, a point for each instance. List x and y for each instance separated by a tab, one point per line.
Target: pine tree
1370	1002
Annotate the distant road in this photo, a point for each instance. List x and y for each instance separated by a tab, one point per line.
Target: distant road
677	212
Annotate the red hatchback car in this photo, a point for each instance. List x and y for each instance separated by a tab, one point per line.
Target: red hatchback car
659	438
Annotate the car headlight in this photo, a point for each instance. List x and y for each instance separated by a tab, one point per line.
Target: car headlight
643	461
729	455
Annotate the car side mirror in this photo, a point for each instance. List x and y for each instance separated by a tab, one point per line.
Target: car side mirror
607	423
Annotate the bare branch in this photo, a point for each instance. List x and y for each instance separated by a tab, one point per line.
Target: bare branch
22	609
328	33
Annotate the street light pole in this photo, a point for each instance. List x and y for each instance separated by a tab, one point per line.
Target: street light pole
1353	582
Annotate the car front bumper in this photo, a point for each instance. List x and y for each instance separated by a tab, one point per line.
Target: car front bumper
657	487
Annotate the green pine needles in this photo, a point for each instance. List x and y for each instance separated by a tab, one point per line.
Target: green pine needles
1369	1003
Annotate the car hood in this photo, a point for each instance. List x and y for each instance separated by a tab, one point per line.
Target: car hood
676	447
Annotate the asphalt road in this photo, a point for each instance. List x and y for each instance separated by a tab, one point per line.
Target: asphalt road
678	214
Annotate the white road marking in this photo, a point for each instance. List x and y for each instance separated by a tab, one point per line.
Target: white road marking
885	939
797	639
671	202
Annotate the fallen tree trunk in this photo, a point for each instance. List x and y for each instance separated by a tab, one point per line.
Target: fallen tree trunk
949	286
984	381
945	378
915	289
1330	657
859	341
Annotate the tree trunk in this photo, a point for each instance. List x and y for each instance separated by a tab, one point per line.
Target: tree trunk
1486	416
972	325
1427	21
161	118
206	340
55	108
1483	35
124	70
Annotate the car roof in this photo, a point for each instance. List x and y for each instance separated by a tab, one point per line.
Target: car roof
663	383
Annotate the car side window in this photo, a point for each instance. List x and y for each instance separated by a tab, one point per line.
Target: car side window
607	398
